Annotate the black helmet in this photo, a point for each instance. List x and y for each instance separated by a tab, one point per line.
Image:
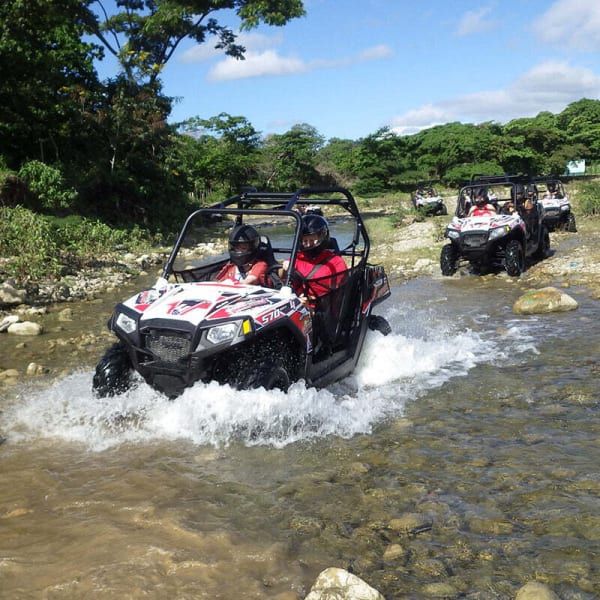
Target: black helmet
316	227
243	244
481	197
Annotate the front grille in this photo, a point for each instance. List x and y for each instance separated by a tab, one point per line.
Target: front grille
552	212
475	240
169	347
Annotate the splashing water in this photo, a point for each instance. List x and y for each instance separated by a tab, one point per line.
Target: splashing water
392	370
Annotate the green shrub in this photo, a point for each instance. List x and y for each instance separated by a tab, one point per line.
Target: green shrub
47	185
589	198
26	238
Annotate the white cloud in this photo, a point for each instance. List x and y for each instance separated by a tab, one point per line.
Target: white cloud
375	53
250	41
256	64
571	23
548	86
271	63
474	21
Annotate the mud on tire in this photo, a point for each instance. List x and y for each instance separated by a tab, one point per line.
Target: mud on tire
113	372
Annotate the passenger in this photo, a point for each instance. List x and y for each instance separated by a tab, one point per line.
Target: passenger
550	192
244	264
482	207
318	269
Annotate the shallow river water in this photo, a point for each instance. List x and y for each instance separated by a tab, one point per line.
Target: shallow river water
464	451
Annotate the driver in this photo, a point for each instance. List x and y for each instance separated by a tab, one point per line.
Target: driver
318	269
244	263
482	206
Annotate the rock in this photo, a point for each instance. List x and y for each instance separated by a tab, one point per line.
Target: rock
9	374
424	264
544	300
34	369
337	584
394	552
10	296
25	328
66	314
8	321
439	590
411	523
534	590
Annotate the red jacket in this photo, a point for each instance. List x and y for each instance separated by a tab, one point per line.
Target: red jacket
323	272
232	273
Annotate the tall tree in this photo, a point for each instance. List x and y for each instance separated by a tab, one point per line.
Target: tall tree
144	34
45	71
289	159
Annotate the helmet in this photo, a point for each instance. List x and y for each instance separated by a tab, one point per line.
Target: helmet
551	187
243	244
315	234
531	190
481	197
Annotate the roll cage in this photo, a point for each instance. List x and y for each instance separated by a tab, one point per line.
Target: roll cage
515	193
280	204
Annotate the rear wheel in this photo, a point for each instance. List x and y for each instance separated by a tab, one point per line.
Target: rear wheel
378	323
443	210
571	224
113	372
448	260
514	258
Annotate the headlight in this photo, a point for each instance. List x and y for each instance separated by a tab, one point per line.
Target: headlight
565	207
452	234
222	333
126	323
498	232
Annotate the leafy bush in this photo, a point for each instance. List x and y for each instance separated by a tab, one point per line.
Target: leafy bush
27	239
589	198
47	185
38	246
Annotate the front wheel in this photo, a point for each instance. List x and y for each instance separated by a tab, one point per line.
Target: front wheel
448	260
571	225
378	323
269	375
514	258
543	250
443	210
113	372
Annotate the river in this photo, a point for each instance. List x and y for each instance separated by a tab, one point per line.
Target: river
481	425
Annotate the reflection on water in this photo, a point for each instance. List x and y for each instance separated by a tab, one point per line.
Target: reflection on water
482	422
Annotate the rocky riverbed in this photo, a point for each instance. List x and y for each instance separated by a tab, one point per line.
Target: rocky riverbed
460	462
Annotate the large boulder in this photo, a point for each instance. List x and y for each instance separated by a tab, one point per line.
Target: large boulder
10	296
544	300
25	328
337	584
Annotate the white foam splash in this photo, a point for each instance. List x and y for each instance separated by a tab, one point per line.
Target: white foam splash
392	370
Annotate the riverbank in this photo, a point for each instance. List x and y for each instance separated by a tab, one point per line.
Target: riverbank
65	318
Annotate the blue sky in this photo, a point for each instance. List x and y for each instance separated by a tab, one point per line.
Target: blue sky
350	67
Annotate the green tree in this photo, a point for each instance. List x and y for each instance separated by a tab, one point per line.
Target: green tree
45	70
581	122
288	160
144	34
218	154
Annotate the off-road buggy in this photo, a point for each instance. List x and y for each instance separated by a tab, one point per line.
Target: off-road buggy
502	238
555	204
189	327
426	200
